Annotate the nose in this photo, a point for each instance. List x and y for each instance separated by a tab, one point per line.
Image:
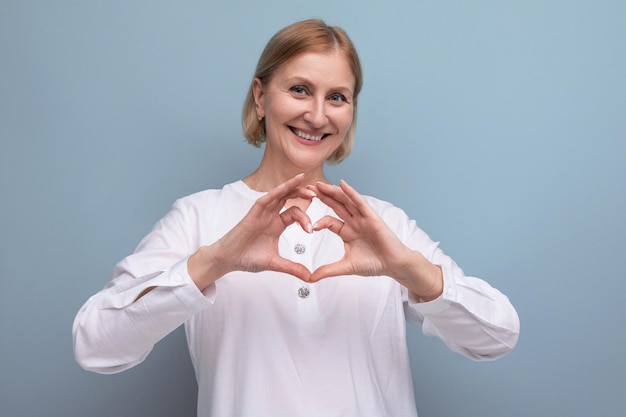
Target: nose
316	113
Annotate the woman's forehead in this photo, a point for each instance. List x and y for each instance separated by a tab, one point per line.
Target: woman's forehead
332	67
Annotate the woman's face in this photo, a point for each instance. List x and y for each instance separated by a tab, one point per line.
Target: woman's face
308	108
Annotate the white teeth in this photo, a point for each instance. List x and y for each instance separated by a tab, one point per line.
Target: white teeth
307	136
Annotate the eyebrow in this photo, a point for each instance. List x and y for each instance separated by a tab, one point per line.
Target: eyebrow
302	80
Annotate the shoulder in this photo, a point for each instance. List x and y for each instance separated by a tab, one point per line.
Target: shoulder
395	217
399	222
213	211
200	198
228	194
385	209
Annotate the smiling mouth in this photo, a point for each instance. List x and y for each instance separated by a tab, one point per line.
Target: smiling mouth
306	136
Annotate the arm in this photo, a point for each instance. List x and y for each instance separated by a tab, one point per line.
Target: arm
470	316
169	279
116	328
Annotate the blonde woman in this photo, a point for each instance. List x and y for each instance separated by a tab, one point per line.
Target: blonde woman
294	292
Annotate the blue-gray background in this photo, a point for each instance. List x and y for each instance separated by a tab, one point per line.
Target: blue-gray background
499	125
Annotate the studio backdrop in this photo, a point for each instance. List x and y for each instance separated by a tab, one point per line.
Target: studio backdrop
500	126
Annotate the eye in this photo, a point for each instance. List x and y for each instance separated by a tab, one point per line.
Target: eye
298	90
337	98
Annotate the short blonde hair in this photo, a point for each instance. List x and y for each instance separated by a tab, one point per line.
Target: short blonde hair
305	36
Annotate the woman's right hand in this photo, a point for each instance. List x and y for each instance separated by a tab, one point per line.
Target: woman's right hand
252	245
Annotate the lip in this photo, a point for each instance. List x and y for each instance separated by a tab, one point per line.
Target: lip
308	136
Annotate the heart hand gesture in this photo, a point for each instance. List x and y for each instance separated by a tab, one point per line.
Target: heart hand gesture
252	245
371	248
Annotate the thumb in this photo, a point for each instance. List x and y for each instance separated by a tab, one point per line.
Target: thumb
280	264
331	270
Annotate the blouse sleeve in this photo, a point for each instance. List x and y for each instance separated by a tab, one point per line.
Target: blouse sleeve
113	331
470	317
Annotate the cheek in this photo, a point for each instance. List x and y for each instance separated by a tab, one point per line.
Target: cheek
284	110
345	118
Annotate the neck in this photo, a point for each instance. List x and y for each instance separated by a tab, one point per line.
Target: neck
266	177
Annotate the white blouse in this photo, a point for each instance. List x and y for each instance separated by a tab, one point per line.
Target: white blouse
268	344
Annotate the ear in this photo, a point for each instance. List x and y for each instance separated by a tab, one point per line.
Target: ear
257	93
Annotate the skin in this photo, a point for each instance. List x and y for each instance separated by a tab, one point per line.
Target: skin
310	94
371	248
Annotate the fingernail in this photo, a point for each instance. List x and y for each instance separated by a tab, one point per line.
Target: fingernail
310	228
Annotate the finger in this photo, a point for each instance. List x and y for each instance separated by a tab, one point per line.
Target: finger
301	192
334	198
357	199
276	198
297	193
282	190
295	214
292	182
331	270
280	264
331	223
335	192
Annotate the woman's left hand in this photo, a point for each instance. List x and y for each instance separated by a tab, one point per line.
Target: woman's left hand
371	248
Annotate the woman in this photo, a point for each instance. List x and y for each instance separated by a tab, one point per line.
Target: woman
294	292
